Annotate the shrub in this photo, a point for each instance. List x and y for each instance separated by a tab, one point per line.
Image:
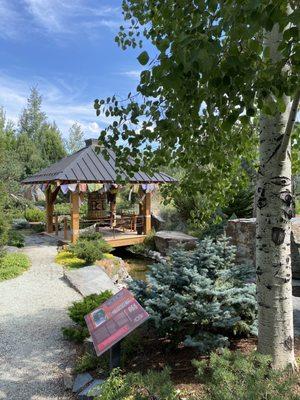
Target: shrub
87	362
62	208
34	215
86	250
12	265
200	296
135	386
78	310
15	238
90	247
233	375
149	241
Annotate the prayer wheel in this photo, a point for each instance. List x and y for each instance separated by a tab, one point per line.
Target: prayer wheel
96	205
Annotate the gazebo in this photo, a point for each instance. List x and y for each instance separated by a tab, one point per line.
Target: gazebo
88	168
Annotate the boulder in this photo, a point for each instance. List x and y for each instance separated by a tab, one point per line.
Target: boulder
168	240
81	381
242	233
90	280
92	390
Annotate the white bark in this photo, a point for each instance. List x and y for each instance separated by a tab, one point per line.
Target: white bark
273	235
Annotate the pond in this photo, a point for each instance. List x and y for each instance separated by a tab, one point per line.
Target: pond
137	265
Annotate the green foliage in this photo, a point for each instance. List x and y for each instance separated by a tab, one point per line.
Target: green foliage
13	265
77	312
149	242
90	247
200	296
34	215
241	205
135	386
83	307
87	362
75	140
240	376
15	238
90	251
62	208
69	260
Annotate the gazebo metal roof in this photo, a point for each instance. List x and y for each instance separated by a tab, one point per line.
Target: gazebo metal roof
89	166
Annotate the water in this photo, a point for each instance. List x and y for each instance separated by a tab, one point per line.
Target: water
137	265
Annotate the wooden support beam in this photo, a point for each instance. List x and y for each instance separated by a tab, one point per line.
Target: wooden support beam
50	199
147	213
74	216
49	211
56	225
65	228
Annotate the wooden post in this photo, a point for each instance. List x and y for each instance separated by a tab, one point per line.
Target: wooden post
65	228
50	199
113	212
74	216
56	225
49	210
147	213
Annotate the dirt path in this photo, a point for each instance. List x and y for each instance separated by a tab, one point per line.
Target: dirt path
33	308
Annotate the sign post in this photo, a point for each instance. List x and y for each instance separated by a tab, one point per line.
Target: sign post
112	321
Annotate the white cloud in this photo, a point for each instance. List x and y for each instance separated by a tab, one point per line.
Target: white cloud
60	103
134	74
71	16
10	20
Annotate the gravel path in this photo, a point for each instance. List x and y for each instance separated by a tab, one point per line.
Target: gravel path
33	306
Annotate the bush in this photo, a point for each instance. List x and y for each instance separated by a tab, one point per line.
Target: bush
87	362
233	375
90	247
135	386
15	238
200	296
12	265
34	215
86	250
78	310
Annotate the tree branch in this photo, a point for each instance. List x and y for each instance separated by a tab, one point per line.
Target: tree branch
289	127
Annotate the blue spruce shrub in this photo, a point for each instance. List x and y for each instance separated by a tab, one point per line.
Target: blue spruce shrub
201	297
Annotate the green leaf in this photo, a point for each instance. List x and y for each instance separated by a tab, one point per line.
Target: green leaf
143	58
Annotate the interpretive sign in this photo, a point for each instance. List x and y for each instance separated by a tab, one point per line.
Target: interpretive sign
114	319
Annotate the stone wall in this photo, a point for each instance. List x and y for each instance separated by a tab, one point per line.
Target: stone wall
242	232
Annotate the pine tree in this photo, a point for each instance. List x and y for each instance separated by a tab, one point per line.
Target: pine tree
201	296
32	118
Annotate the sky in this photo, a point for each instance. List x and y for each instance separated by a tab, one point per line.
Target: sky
66	49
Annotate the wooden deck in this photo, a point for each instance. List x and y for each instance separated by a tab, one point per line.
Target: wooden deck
115	238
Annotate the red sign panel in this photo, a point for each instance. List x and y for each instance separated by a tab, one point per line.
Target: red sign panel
114	319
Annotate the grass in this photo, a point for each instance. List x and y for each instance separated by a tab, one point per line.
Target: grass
13	265
68	260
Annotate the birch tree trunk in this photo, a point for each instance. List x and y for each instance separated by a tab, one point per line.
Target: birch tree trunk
273	232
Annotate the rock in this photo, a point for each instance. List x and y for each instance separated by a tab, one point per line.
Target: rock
168	240
89	280
156	221
20	223
11	249
80	381
68	378
92	390
242	233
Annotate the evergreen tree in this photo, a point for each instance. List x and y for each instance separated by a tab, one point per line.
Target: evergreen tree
75	140
51	144
201	296
32	118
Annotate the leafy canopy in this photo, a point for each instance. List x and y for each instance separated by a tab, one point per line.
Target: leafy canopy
199	94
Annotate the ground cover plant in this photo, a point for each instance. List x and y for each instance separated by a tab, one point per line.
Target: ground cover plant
200	297
13	265
135	386
233	375
15	238
78	310
69	260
